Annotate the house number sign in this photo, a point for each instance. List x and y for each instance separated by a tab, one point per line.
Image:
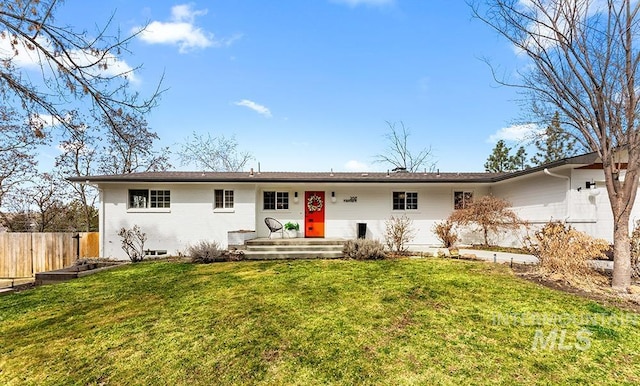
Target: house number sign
351	199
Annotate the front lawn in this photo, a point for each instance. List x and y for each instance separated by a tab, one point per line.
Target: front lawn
395	322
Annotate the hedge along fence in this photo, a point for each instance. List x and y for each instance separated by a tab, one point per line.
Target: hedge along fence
25	254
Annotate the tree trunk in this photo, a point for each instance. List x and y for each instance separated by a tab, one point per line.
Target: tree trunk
622	196
621	254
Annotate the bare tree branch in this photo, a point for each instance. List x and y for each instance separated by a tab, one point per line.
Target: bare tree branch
74	65
398	154
218	154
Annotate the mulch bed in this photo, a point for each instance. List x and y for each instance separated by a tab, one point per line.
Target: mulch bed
602	295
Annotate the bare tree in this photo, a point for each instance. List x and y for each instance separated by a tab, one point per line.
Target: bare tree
131	149
584	64
398	154
17	145
46	197
218	154
18	215
74	65
489	214
79	157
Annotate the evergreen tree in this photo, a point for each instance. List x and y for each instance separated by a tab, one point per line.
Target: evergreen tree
499	160
554	144
519	161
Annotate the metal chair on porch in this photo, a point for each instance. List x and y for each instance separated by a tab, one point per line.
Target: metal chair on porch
274	226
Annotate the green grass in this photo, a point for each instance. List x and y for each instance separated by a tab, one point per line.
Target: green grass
308	322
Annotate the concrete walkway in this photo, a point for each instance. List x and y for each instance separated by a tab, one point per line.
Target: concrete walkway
504	257
500	257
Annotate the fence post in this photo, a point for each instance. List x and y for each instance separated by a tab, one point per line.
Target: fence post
76	237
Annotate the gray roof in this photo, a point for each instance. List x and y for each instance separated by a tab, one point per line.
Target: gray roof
290	177
329	177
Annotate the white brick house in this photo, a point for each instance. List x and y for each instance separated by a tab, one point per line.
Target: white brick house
177	209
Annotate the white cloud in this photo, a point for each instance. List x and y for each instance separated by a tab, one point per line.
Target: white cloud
184	13
356	166
98	64
515	133
260	109
371	3
181	31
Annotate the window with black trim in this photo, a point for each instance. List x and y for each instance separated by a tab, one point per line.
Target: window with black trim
405	200
145	198
160	198
223	199
273	200
461	199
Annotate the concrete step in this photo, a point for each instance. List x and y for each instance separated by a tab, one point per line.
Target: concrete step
289	249
301	248
291	255
297	241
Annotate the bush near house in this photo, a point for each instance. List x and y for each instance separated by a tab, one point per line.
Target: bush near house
445	232
364	249
133	242
399	231
205	252
564	253
488	214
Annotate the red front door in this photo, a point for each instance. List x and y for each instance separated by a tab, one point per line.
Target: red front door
314	214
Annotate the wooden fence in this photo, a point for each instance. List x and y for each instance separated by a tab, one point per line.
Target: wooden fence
25	254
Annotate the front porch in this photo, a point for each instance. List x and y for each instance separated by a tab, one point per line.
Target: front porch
295	248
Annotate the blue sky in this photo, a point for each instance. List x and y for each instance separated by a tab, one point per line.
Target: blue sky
308	85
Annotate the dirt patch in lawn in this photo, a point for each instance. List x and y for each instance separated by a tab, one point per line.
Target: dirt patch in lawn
603	294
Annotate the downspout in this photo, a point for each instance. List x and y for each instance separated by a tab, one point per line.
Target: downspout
101	224
547	172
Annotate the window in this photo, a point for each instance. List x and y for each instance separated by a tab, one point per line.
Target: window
160	198
138	198
462	199
275	200
143	198
223	199
405	200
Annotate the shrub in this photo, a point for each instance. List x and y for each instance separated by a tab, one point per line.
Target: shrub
398	233
445	233
205	252
133	242
635	251
364	249
488	214
564	252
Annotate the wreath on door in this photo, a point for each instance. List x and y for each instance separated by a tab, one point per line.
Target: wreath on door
314	203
